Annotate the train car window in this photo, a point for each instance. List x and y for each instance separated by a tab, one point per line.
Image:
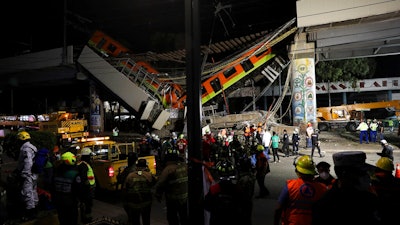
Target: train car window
101	43
247	65
111	48
259	54
203	90
216	85
229	72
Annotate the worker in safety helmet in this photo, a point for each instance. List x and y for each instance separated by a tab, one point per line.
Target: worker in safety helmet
88	185
387	150
223	198
350	200
298	195
172	183
387	187
66	188
29	179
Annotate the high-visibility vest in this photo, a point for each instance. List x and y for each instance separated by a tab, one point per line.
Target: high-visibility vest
90	174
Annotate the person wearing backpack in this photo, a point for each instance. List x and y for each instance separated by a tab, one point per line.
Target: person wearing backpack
29	178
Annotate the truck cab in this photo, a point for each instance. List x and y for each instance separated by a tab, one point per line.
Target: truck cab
110	159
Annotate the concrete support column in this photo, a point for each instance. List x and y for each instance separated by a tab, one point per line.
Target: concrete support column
96	111
304	101
344	98
390	95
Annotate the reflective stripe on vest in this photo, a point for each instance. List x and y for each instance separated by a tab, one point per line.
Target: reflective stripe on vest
90	174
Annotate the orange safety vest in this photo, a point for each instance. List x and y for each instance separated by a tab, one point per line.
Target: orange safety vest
302	195
247	131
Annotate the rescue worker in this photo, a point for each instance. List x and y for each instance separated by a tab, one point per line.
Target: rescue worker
350	200
324	175
137	195
315	143
259	133
88	185
247	133
363	128
387	187
181	144
66	188
373	130
245	186
296	141
132	158
173	183
391	125
222	199
387	150
262	169
29	179
285	146
298	195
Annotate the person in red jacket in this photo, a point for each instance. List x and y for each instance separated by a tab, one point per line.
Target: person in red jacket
298	195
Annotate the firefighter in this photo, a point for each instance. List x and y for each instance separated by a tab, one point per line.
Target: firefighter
223	198
137	195
66	188
172	183
88	185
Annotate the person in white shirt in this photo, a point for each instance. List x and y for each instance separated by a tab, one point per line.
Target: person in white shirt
266	141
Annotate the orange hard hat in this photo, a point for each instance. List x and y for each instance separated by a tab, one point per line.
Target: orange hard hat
55	149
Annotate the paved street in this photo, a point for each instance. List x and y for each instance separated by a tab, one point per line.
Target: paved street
263	208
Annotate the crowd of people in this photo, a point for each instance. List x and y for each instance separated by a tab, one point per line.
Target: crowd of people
234	165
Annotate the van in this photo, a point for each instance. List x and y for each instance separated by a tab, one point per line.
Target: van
110	159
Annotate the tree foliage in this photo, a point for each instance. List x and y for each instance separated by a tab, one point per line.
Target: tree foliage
40	139
345	70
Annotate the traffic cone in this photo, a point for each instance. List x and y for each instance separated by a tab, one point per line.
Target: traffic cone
397	174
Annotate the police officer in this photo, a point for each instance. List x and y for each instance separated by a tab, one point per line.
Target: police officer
29	179
88	185
172	183
315	143
66	188
137	194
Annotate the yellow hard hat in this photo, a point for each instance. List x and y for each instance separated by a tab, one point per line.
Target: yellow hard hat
385	163
68	158
260	148
23	135
305	165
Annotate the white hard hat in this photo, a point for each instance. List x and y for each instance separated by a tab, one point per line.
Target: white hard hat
86	151
384	141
